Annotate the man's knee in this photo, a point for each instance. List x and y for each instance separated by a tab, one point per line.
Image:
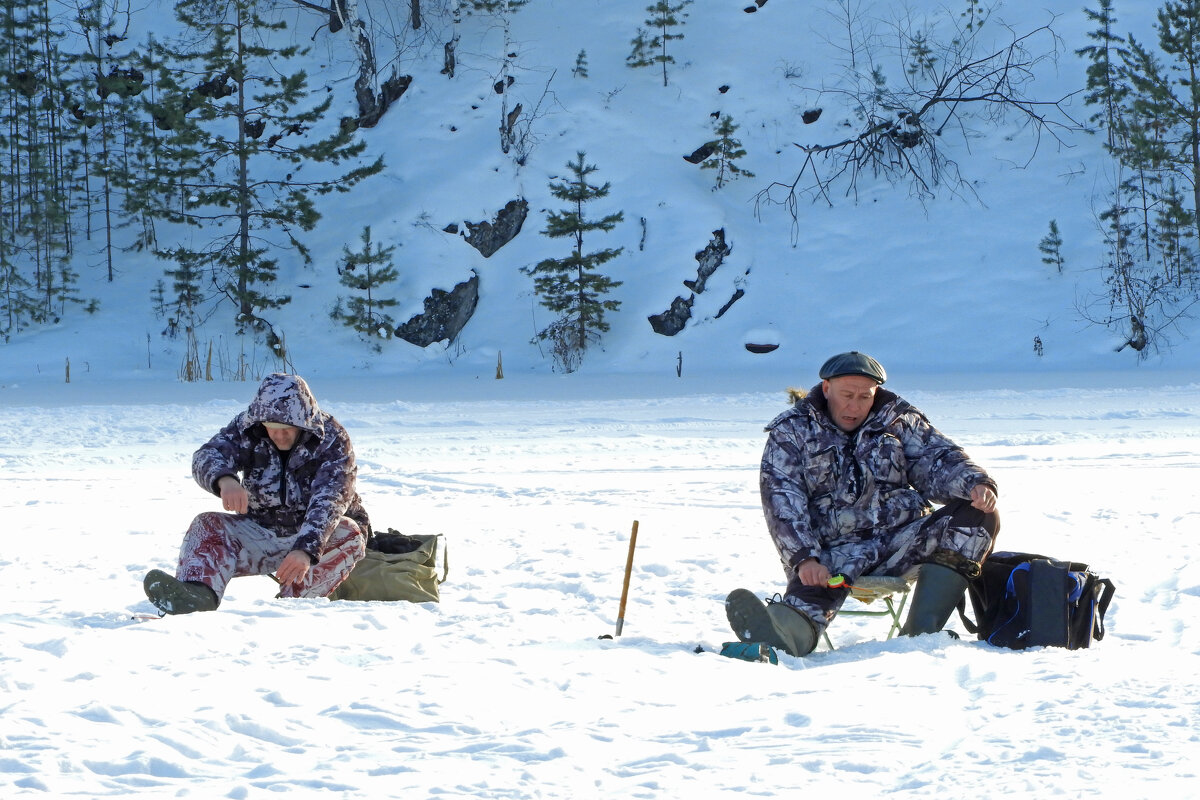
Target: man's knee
208	520
819	603
964	515
347	536
208	526
968	535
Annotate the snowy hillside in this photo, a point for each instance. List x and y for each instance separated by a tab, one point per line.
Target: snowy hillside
951	284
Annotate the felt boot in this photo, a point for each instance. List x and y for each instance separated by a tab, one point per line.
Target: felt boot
173	596
937	594
777	624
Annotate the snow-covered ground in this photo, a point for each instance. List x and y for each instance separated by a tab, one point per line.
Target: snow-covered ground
504	690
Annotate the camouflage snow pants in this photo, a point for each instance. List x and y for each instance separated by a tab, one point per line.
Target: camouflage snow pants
218	547
958	536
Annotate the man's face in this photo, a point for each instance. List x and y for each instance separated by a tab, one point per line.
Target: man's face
284	438
850	398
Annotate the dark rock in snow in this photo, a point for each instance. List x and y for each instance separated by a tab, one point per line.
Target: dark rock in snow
738	295
711	257
371	106
671	321
700	153
488	237
446	314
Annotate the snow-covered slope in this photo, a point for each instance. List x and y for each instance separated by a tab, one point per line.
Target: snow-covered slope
951	284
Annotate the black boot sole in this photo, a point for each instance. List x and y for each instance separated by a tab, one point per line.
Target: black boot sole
172	596
749	619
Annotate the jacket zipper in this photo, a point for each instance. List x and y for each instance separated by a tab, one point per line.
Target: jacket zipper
283	462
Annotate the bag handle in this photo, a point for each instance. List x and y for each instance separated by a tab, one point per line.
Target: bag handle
1106	597
445	548
962	615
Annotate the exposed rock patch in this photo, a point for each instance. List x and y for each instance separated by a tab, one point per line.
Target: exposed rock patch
445	315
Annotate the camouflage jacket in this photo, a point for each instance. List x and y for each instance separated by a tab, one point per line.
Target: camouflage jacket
305	490
825	489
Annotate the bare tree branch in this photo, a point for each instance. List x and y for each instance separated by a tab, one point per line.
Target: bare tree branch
944	86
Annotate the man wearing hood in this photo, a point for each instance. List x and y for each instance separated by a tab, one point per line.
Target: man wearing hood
285	472
849	478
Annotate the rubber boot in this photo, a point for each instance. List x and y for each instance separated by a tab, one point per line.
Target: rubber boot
173	596
777	624
935	598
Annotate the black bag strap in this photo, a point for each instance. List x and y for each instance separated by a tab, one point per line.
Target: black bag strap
962	614
1106	596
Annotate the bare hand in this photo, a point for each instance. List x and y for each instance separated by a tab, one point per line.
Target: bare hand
983	498
234	496
294	567
813	573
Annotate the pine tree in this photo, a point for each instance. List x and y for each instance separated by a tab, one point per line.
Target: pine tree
367	272
18	303
922	60
1142	302
34	186
1105	87
236	149
1163	98
1150	105
1051	247
186	274
580	70
572	286
726	151
1175	238
651	49
102	104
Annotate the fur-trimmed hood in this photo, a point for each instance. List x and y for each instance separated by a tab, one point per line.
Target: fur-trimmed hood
887	405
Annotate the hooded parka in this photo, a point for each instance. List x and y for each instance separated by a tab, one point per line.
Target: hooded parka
305	490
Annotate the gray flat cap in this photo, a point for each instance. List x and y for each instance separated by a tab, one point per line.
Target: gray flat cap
853	363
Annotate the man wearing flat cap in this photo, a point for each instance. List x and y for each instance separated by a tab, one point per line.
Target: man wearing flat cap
850	477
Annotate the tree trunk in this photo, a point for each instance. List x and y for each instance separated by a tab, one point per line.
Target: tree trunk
506	137
243	188
449	59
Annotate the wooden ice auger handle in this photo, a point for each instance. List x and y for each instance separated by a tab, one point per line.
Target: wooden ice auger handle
628	571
